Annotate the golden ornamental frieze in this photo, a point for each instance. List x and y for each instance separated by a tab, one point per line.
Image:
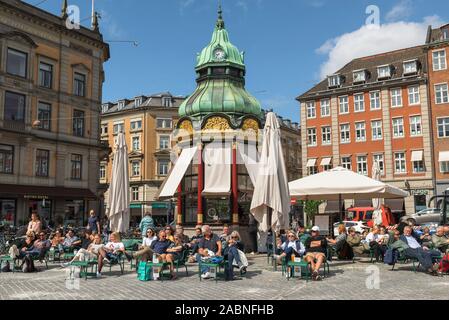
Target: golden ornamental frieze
217	123
250	125
187	126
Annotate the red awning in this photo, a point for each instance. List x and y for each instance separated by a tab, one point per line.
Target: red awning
46	192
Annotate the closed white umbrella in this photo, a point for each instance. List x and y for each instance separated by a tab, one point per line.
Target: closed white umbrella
271	199
377	214
119	188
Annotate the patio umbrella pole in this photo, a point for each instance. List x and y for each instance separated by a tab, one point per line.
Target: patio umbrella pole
340	207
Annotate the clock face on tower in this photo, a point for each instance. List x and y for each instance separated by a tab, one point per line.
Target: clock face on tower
219	54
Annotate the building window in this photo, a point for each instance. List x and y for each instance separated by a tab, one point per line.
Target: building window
345	135
136	143
359	102
410	67
399	162
343	104
311	137
443	127
164	123
360	132
78	123
415	126
102	172
16	63
333	81
312	170
326	135
362	165
14	107
327	167
441	93
121	105
166	102
136	125
346	163
396	98
379	158
104	129
398	127
439	60
77	163
137	101
311	112
325	108
6	158
376	129
79	84
359	76
413	95
418	166
374	98
162	167
45	75
135	168
118	127
383	72
44	116
444	166
135	193
164	142
42	162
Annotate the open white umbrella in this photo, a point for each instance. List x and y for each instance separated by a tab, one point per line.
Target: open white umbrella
270	204
119	188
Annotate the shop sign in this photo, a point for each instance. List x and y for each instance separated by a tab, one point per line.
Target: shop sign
419	192
38	197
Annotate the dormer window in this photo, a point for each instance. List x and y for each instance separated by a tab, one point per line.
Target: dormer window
166	102
359	76
121	104
384	72
446	34
104	108
138	101
334	81
410	67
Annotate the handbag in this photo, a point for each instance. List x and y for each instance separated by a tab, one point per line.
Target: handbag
144	271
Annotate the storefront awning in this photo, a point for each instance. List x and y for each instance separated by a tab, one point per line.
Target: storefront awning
443	156
217	170
326	161
417	155
311	163
175	176
39	192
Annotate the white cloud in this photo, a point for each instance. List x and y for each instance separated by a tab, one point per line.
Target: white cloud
368	41
111	29
184	4
402	10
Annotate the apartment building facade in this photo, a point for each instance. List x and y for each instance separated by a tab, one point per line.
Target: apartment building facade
374	109
148	123
50	96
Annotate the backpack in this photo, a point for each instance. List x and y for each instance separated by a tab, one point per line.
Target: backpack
345	252
144	271
7	267
444	264
28	264
391	256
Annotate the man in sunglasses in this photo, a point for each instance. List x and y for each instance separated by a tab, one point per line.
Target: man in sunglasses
316	249
40	246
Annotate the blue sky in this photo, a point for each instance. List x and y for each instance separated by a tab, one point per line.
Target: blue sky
289	44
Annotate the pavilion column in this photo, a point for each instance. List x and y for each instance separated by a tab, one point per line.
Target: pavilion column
235	192
200	185
179	219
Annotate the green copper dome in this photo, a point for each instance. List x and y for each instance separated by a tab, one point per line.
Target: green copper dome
221	83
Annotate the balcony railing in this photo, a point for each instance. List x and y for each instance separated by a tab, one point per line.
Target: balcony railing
14	125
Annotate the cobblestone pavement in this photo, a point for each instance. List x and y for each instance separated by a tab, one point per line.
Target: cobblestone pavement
346	281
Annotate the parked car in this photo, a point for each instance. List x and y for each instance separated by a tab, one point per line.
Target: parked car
359	226
426	216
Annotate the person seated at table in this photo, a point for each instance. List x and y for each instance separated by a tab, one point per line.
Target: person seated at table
57	239
316	249
292	247
440	241
426	238
376	243
86	239
340	246
234	254
144	252
169	233
355	242
209	245
71	242
89	254
110	251
416	251
180	232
